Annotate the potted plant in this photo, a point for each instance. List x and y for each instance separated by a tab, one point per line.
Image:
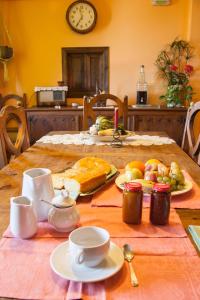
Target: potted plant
173	67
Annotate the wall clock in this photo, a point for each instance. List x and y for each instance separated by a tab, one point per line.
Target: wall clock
81	16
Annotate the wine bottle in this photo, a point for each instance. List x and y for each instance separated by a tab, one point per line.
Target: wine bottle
141	87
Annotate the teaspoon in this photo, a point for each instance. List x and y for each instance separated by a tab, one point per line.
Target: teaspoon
57	206
128	256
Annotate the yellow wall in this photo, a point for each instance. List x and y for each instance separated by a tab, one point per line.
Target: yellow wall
134	30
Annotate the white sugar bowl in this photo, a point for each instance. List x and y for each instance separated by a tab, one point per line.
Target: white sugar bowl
63	215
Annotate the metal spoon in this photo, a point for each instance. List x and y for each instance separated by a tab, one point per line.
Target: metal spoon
57	206
128	256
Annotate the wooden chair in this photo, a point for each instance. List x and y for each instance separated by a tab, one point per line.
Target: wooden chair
189	144
10	149
89	114
13	99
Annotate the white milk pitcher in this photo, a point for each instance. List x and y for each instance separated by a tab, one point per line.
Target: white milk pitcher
23	220
37	185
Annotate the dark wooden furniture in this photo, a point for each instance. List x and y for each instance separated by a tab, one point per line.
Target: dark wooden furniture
13	99
189	143
43	120
85	70
169	120
90	114
8	148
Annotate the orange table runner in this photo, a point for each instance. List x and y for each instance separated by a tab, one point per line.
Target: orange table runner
111	219
112	196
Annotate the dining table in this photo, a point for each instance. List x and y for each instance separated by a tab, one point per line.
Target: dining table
166	258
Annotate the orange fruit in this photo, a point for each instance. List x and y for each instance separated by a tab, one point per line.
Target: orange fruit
152	161
135	164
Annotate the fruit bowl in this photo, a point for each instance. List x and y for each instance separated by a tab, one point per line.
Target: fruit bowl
147	185
153	171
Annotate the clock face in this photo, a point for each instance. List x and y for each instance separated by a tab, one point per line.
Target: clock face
81	16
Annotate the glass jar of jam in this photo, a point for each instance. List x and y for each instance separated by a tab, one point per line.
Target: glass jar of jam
132	203
160	204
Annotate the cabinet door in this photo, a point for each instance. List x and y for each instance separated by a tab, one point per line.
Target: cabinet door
85	70
40	124
173	125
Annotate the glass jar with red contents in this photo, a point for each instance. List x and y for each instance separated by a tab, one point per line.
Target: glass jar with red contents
160	204
132	203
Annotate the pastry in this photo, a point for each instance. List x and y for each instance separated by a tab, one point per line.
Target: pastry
86	175
87	181
58	181
93	162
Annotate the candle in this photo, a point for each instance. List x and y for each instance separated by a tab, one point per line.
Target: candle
116	118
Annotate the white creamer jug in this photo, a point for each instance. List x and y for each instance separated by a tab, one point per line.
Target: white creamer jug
37	185
23	220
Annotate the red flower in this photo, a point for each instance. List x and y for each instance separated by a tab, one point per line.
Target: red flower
188	69
173	68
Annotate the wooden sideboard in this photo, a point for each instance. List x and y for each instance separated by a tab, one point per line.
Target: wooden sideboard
171	120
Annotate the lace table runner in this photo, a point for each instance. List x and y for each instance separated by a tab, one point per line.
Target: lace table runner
87	139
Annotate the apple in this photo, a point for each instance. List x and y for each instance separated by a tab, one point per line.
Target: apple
151	175
151	167
133	173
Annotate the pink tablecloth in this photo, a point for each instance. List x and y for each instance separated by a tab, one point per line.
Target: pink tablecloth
25	272
112	196
165	261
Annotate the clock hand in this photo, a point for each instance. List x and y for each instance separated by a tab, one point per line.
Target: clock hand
81	13
79	20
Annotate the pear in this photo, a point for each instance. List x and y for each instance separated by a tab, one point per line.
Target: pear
178	175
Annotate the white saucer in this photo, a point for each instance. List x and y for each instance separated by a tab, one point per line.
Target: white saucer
61	264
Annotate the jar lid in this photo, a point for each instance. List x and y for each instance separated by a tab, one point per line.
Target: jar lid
63	200
161	187
133	186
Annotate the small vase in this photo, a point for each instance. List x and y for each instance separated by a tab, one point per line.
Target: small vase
171	104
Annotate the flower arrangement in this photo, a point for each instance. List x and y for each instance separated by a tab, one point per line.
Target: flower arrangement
173	67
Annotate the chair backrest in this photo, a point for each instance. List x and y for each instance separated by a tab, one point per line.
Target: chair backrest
88	104
189	143
13	99
3	156
22	142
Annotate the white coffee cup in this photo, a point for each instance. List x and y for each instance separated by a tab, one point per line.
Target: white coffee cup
23	220
89	245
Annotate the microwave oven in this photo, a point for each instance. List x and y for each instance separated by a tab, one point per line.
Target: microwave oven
51	96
